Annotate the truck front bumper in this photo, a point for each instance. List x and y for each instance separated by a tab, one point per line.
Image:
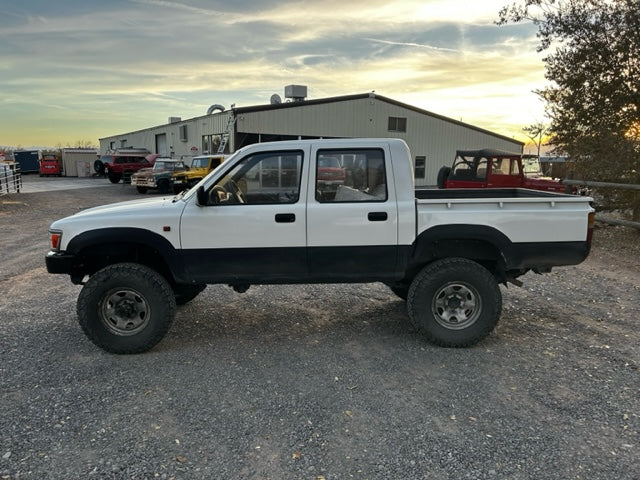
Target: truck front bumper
60	262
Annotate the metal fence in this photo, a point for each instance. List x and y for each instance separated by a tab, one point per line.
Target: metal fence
618	186
10	178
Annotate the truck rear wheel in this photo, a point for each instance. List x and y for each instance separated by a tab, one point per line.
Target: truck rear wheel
126	308
455	302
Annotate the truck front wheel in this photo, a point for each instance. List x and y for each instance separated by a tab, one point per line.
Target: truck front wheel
164	186
455	302
126	308
114	177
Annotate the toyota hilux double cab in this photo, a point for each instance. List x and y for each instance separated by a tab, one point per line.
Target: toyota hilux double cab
266	217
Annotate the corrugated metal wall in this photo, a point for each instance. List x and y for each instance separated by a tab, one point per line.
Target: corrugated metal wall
196	128
434	138
428	136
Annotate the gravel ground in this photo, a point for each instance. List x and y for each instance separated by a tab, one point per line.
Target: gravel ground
318	382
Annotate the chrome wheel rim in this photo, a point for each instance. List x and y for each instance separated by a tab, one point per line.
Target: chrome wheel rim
456	305
124	311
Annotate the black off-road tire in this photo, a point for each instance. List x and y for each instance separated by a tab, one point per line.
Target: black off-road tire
443	174
185	293
114	177
98	167
126	308
142	189
164	186
454	302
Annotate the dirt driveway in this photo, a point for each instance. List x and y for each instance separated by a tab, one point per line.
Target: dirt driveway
318	382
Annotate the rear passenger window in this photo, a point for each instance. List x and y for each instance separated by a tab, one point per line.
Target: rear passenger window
351	176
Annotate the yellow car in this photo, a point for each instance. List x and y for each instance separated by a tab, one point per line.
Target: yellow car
200	168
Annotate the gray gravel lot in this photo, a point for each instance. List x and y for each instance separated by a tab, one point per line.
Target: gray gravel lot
318	382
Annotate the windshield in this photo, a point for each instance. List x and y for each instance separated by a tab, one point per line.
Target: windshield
531	165
200	162
164	165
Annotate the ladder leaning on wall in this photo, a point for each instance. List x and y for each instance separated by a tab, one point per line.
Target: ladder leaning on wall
227	132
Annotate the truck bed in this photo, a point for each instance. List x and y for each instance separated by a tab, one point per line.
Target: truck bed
522	215
482	193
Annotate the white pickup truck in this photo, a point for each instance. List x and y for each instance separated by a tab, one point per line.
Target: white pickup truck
271	214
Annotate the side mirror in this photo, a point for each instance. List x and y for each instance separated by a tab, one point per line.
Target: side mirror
203	198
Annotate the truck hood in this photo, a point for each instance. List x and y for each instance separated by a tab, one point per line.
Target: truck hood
159	215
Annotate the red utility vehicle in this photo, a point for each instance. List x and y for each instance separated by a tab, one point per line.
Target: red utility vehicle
489	168
124	163
50	164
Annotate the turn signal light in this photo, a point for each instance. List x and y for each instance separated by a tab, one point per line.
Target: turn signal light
55	238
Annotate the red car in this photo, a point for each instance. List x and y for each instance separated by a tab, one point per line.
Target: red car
125	163
330	172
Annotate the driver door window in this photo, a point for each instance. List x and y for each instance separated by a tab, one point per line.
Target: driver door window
261	179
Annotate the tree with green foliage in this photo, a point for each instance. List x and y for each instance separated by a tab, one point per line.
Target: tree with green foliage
593	64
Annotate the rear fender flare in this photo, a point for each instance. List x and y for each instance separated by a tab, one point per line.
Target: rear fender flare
475	242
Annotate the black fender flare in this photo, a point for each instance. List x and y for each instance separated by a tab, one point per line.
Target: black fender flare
85	243
478	242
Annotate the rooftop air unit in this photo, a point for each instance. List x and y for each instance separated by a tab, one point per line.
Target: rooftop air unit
297	93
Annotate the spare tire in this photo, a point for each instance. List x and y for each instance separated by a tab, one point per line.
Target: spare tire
98	166
443	174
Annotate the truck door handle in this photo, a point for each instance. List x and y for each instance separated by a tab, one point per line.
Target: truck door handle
285	217
377	216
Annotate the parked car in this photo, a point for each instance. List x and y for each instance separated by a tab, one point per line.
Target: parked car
488	168
199	168
330	172
50	165
125	162
158	176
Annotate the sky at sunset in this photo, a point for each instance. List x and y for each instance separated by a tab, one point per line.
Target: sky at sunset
77	70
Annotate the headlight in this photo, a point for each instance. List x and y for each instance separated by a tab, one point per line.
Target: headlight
55	240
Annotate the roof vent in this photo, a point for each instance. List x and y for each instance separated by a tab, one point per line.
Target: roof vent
297	93
174	119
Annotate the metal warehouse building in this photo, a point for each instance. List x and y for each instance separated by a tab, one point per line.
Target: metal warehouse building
433	139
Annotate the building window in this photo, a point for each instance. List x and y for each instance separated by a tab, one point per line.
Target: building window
210	143
397	124
420	167
183	133
123	143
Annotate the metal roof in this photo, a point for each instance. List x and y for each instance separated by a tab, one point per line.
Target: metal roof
486	152
346	98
